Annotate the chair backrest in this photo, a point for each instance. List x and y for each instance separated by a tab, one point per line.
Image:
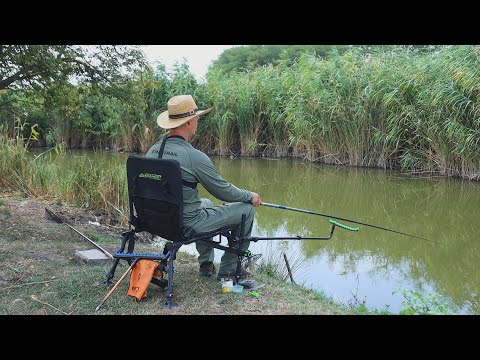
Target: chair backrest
155	196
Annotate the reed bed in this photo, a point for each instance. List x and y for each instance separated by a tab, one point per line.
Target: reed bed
395	110
83	182
418	112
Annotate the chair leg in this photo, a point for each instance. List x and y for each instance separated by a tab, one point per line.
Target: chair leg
240	246
170	303
111	273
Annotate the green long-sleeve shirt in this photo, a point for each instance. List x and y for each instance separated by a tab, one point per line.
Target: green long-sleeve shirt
197	167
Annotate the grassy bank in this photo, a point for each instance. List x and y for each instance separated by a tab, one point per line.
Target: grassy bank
40	274
84	183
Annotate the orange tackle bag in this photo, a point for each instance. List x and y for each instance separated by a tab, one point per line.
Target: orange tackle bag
142	274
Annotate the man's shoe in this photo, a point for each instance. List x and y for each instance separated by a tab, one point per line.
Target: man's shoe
207	269
244	275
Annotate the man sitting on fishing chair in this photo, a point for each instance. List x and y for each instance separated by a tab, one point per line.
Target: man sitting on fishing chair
181	118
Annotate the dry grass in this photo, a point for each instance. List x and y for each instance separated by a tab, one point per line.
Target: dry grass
39	274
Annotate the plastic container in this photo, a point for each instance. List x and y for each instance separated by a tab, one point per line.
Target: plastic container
237	289
247	284
227	286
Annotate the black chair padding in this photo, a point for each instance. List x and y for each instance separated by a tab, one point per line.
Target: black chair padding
156	194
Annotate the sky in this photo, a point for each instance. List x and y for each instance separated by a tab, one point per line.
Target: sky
198	56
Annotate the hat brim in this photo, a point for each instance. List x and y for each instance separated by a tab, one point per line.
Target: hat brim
166	123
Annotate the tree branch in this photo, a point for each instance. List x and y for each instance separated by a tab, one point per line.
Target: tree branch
4	83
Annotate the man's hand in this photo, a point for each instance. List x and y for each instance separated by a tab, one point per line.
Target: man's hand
256	201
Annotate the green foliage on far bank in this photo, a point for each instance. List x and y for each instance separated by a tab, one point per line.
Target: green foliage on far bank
400	109
410	108
249	57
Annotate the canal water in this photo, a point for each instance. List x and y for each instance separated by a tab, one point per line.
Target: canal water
370	266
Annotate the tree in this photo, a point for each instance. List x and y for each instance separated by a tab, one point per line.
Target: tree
25	67
242	58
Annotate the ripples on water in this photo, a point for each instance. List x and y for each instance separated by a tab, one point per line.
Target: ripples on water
365	266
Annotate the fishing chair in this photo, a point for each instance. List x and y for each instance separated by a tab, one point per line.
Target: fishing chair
156	205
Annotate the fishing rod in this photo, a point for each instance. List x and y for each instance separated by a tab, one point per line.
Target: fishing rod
339	218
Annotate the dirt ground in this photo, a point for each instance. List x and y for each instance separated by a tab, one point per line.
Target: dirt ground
40	275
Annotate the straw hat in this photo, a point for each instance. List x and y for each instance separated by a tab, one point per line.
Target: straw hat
181	109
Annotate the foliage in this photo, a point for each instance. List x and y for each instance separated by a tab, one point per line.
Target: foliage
243	58
248	58
40	66
418	304
399	107
412	108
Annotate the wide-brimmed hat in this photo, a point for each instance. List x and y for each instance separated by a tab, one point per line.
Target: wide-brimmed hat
181	109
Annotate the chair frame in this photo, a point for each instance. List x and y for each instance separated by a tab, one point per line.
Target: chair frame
181	237
186	236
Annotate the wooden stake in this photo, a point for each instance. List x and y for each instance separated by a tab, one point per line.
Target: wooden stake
116	285
288	268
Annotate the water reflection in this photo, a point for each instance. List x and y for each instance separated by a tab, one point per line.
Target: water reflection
370	264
